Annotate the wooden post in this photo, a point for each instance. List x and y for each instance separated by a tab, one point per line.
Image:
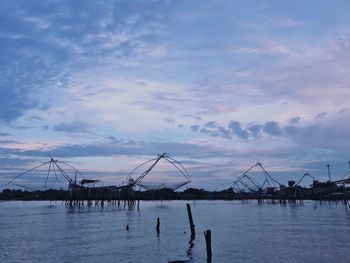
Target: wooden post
207	235
158	226
71	198
193	231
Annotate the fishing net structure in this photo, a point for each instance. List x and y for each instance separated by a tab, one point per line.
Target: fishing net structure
136	178
158	186
53	173
255	179
346	176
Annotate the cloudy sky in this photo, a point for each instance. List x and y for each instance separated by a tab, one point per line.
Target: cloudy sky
218	85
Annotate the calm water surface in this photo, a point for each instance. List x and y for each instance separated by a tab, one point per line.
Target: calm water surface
241	232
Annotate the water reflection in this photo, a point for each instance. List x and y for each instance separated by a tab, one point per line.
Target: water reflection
245	232
190	248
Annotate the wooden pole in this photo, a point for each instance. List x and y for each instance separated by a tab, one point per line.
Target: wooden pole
193	231
71	197
207	235
158	225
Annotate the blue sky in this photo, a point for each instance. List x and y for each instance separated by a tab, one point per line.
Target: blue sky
217	85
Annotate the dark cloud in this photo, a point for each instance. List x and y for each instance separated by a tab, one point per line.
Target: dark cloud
195	128
206	131
328	135
235	126
4	134
212	129
273	128
255	129
210	124
112	139
224	132
291	129
235	129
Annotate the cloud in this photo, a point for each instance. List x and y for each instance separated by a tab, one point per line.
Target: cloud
343	110
210	124
235	126
195	128
198	118
126	148
255	129
112	139
44	44
73	127
235	129
291	129
224	132
211	128
11	163
8	142
325	136
206	131
321	115
272	128
294	120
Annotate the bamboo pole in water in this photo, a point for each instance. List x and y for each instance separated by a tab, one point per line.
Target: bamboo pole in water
193	231
207	235
158	226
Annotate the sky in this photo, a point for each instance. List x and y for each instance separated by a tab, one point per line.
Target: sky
218	85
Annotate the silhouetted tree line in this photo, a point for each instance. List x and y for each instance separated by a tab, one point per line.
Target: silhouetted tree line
124	194
296	193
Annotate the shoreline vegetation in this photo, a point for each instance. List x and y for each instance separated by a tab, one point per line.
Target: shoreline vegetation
315	192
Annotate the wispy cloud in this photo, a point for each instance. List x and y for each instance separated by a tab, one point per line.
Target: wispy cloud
74	127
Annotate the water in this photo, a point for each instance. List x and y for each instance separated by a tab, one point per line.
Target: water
241	232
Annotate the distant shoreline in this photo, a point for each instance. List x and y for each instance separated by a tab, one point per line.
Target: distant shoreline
282	196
